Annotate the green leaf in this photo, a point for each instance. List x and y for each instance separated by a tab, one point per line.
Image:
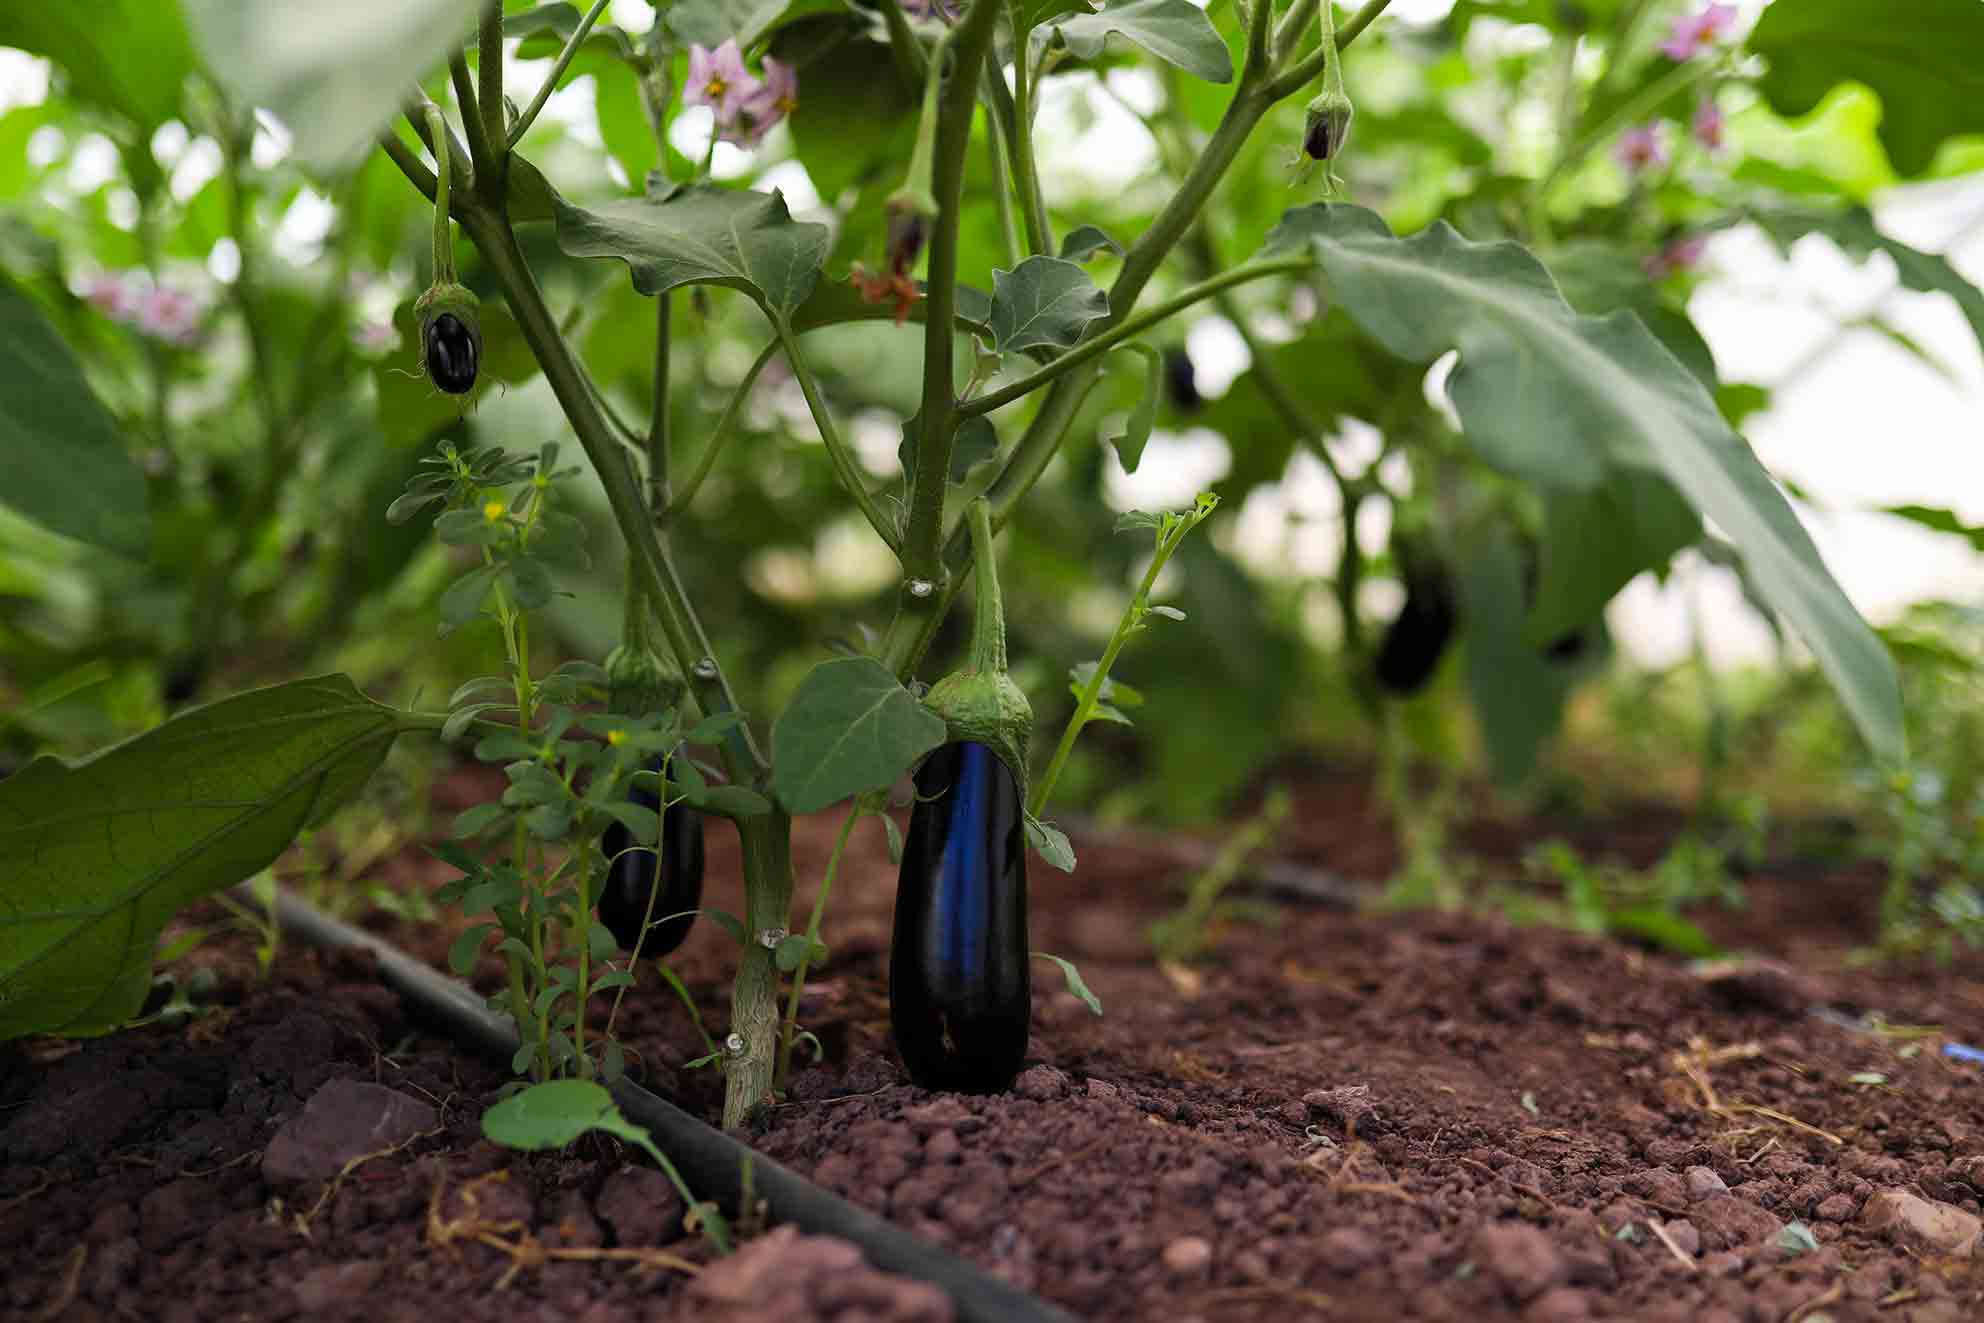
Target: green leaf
641	822
128	56
545	30
1797	1238
1175	31
463	600
1135	433
1940	521
102	852
1051	844
703	235
1597	541
62	460
851	727
798	949
1085	241
1044	302
1568	401
1597	277
1076	984
1854	233
551	1115
1923	58
1662	928
729	801
466	950
334	74
975	442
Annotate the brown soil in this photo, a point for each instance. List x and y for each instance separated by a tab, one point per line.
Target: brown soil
1336	1117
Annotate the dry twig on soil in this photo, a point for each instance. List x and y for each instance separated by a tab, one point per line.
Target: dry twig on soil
525	1250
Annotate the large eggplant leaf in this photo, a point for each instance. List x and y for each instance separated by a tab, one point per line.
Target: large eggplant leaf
99	854
850	728
710	23
1175	31
334	74
62	461
1517	691
1854	233
1938	520
703	235
1565	401
1924	58
128	56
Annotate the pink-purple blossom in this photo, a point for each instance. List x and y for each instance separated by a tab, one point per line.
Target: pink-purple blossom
1708	124
1682	254
1642	148
131	299
745	107
719	80
1693	31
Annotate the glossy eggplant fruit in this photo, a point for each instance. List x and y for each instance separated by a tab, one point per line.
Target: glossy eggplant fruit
631	878
960	997
453	354
1419	634
1181	381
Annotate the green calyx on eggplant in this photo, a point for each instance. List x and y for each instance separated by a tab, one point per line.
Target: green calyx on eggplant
450	336
960	994
1419	635
979	702
649	898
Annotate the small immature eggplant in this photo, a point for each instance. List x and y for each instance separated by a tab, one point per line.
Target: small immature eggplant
634	893
1419	634
1181	383
450	337
960	996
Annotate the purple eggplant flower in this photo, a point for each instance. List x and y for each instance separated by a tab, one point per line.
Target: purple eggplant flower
719	80
1694	31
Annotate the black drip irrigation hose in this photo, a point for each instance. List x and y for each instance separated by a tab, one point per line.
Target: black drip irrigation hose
709	1160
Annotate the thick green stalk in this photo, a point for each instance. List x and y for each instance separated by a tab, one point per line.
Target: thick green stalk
444	234
464	83
1300	74
1026	169
489	95
659	497
997	147
988	625
748	1074
922	544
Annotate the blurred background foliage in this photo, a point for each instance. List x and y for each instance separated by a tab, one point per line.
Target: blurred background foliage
248	327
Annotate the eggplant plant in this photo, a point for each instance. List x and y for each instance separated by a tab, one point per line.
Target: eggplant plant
1581	415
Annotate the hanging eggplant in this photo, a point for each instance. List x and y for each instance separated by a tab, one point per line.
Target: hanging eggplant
960	993
1419	634
659	889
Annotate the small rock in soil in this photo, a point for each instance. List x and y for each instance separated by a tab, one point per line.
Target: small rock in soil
1041	1083
1187	1256
783	1274
1837	1208
344	1119
1727	1222
1347	1249
1703	1182
1346	1105
337	1284
1909	1219
1659	1185
1519	1257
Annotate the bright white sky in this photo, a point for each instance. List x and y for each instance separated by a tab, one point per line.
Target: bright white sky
1867	425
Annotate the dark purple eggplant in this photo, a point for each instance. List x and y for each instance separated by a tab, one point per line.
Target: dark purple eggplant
631	879
1419	634
1181	382
451	355
960	995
